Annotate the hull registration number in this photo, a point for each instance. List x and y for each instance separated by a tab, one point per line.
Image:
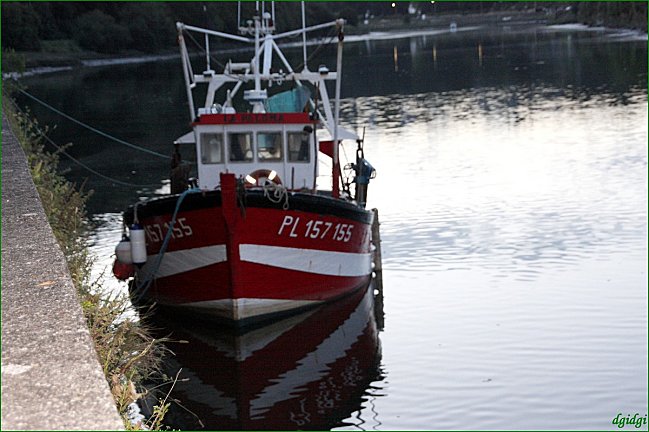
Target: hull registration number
315	229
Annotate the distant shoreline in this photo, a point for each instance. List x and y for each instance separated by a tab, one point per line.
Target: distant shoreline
38	63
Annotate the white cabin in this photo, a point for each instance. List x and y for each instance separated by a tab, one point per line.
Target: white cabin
280	145
265	143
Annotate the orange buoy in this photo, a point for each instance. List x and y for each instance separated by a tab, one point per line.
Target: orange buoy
123	271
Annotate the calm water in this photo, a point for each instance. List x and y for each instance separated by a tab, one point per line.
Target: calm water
512	190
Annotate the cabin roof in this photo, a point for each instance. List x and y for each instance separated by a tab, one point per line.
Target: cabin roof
254	118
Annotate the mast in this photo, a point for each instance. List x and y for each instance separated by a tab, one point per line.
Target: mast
260	32
335	191
257	96
257	74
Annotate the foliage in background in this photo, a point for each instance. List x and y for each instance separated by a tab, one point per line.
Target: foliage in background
12	61
108	27
20	26
100	32
613	14
127	352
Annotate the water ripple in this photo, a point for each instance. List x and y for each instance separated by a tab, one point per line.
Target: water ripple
514	200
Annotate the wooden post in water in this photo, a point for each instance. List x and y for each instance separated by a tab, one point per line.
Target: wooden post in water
378	271
376	241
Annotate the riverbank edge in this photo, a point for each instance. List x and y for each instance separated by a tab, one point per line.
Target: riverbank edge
51	376
43	62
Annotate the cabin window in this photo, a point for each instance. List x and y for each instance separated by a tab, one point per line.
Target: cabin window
299	146
211	148
269	146
240	147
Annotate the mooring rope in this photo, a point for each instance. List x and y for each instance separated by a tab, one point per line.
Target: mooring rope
142	288
97	131
78	162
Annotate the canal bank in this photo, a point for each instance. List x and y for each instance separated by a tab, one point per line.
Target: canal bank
51	378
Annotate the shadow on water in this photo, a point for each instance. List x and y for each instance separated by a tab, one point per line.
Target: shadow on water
308	371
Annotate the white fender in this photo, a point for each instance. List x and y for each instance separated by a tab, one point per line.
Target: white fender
123	251
138	245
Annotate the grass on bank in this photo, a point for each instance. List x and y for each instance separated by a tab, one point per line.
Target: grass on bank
127	352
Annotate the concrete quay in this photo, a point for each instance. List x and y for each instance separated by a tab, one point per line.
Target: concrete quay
51	376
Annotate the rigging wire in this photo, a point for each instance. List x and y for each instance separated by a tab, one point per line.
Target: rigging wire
324	42
78	162
212	58
104	134
332	34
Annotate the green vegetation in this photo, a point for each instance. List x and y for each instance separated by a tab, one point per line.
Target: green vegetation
126	351
109	28
12	61
613	14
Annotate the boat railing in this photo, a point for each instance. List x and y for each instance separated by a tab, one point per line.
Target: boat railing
258	69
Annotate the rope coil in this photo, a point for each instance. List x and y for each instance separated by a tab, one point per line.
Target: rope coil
276	193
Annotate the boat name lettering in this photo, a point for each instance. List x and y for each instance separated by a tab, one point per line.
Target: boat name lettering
157	232
315	229
253	118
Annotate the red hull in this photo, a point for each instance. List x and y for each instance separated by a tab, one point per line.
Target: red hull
243	259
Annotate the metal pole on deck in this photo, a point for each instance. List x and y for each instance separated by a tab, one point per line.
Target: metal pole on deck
272	4
185	57
257	74
207	51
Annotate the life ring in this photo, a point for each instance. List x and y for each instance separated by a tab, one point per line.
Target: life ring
260	176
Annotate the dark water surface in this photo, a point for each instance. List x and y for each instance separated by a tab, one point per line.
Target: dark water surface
512	191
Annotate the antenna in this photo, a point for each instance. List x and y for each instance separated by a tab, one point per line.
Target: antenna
207	51
304	37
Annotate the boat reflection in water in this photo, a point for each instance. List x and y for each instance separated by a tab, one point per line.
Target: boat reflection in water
308	371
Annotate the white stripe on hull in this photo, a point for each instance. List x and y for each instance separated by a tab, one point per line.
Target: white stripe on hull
238	309
308	260
322	262
185	260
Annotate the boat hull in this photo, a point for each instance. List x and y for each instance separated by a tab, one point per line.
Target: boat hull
238	255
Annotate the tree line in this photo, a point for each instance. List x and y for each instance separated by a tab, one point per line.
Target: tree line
112	27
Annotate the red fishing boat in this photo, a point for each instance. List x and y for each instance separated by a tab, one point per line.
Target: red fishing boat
253	236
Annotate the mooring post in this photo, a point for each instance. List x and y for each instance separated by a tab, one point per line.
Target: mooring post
376	241
378	272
